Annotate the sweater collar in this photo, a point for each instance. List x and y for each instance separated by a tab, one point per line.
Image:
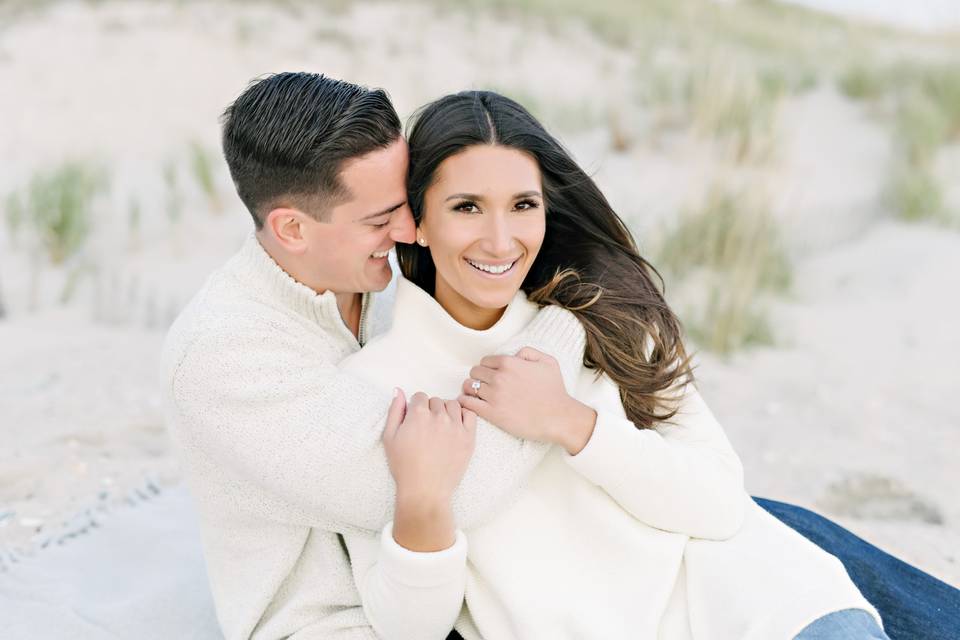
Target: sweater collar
270	280
417	313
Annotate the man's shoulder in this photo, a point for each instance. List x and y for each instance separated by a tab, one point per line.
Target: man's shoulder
223	315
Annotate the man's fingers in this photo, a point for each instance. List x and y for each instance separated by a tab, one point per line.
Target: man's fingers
396	412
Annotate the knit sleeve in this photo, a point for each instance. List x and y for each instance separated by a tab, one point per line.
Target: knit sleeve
408	594
558	332
501	462
274	430
335	611
681	476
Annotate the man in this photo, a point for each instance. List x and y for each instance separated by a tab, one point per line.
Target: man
282	451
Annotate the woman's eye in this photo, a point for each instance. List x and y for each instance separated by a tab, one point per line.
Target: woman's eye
467	207
524	205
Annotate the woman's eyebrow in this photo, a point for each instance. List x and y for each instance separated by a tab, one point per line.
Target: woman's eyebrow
463	196
474	196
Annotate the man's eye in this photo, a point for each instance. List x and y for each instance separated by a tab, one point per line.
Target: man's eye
382	224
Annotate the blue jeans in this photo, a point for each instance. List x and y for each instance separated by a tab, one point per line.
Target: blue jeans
913	604
849	624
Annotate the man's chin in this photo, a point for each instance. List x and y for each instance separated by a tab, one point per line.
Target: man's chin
381	280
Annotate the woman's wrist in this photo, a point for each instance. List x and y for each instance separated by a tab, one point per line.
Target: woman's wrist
423	524
575	426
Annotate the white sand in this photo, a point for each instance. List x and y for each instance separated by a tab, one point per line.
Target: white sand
849	414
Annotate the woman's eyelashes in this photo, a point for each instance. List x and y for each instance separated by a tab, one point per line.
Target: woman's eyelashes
466	206
469	206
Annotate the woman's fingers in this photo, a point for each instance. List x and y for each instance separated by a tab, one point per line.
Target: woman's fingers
469	421
454	411
418	400
532	355
470	388
473	404
483	374
398	408
436	405
495	362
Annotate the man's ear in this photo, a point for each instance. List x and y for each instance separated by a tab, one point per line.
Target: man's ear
286	225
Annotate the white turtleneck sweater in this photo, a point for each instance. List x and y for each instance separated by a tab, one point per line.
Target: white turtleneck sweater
282	450
643	534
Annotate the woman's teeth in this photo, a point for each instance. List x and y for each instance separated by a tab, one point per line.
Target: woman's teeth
380	254
490	268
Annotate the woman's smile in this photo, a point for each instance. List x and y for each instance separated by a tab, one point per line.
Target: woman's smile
493	269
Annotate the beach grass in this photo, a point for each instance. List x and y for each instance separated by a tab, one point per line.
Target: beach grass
57	207
732	104
173	195
201	166
863	81
915	193
732	247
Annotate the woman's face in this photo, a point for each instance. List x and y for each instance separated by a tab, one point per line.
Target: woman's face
484	223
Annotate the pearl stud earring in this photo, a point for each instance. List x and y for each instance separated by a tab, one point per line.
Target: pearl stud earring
422	241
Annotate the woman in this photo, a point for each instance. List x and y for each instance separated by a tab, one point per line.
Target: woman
635	523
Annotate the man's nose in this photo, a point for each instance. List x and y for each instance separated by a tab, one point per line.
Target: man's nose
403	228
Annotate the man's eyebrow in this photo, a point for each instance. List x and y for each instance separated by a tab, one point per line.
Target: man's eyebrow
381	213
473	196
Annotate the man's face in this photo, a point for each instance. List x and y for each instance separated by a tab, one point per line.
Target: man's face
347	252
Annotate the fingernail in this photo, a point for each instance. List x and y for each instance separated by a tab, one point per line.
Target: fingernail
396	391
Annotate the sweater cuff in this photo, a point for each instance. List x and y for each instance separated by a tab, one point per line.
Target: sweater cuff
598	461
422	568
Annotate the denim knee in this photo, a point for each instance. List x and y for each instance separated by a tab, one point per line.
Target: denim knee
849	624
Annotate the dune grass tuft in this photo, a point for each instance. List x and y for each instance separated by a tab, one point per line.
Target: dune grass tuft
201	165
57	207
731	245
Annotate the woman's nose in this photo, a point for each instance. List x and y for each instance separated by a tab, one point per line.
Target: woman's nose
499	236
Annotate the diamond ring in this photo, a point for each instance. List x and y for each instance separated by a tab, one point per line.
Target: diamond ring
475	385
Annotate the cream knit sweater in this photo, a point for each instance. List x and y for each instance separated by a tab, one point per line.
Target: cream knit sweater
643	534
282	449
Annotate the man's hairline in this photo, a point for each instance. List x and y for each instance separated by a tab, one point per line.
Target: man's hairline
339	195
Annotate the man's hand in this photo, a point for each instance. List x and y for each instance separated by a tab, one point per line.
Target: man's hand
524	395
428	444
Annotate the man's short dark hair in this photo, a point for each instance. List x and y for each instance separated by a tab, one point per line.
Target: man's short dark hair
286	137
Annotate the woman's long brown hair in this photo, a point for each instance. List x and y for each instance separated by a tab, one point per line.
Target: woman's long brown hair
588	263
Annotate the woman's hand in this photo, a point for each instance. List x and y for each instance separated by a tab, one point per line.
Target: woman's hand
428	453
524	395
